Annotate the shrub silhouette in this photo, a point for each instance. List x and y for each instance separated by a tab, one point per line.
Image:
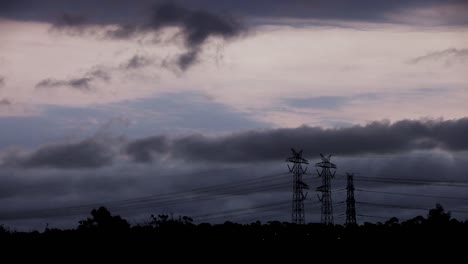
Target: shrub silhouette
103	220
438	216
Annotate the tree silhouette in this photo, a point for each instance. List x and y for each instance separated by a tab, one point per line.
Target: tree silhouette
392	221
103	220
438	215
102	227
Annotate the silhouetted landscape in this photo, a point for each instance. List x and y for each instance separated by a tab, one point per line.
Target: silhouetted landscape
435	227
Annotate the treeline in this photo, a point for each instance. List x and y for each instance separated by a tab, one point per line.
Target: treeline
102	226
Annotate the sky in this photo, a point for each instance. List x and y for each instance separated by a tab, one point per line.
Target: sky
105	101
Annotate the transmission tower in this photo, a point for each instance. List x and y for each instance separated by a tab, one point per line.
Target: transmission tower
350	202
325	189
298	213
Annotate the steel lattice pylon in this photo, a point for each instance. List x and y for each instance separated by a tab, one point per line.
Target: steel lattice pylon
350	202
298	213
325	189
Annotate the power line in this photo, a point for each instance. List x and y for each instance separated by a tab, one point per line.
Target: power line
235	188
268	182
416	195
395	206
427	183
309	209
258	211
407	207
153	203
373	216
242	209
415	180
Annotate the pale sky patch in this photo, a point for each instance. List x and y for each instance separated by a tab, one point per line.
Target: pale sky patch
251	75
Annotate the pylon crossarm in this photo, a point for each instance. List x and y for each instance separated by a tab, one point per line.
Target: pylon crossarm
320	199
319	174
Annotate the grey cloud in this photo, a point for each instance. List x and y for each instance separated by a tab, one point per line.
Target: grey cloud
78	83
98	73
143	149
2	81
122	32
85	154
196	27
5	102
50	83
68	20
70	23
187	59
267	145
137	61
447	56
82	83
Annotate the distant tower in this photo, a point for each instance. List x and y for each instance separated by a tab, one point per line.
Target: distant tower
350	202
325	189
298	213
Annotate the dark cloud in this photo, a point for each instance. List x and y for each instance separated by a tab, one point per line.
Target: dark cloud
2	81
196	27
143	149
122	32
187	59
68	20
376	137
82	83
447	56
5	102
71	24
85	154
137	61
78	83
98	73
130	12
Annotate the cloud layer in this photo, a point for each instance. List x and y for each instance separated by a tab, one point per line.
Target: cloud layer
448	55
107	11
81	83
255	146
269	145
85	154
5	102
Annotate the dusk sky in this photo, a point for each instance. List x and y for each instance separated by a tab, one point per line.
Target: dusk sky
102	101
